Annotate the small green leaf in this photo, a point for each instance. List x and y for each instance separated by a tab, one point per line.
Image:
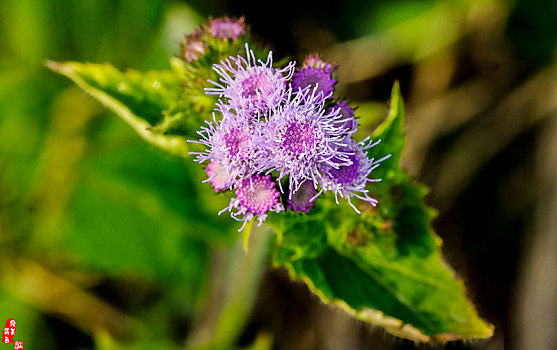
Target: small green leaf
383	266
246	233
149	102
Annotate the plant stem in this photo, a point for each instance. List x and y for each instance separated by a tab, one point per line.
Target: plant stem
235	281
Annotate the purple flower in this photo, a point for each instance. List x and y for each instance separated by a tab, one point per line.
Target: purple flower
314	78
300	137
255	196
350	180
250	85
271	126
193	47
302	200
348	122
226	28
193	50
233	144
218	176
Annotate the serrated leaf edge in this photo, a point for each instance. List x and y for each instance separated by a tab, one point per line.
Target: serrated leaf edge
371	316
375	317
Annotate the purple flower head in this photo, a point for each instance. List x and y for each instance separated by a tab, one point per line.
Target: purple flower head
302	200
233	144
193	50
315	62
348	122
193	47
350	180
226	28
255	196
218	176
300	136
314	79
250	85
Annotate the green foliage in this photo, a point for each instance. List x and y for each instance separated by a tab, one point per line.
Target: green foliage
146	101
383	266
120	199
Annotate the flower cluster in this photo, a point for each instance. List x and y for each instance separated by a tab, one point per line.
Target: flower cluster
278	139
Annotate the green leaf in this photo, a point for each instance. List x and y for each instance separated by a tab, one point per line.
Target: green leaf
391	134
383	266
149	102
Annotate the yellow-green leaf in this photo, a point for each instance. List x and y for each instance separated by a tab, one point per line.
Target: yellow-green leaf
148	102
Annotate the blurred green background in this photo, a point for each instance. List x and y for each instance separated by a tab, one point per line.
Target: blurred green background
105	242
